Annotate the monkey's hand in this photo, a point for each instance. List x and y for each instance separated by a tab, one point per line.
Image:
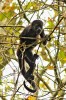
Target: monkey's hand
36	56
47	38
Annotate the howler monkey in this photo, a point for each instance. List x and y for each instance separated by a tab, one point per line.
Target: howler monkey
31	31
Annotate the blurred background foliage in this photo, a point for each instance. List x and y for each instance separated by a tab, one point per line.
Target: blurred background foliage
15	15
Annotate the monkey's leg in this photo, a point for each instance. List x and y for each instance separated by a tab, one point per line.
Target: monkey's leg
20	60
19	54
31	62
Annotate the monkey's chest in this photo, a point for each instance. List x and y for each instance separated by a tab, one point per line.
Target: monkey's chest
32	41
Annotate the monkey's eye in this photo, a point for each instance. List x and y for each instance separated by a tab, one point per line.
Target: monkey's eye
37	26
38	30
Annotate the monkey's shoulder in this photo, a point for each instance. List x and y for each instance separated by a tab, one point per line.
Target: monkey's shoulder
26	31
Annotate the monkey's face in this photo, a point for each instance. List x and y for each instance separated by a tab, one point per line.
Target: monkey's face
37	29
37	26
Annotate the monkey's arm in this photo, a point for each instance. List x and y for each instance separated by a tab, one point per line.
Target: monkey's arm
46	37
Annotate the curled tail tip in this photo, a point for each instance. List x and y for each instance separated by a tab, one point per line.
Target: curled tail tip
33	85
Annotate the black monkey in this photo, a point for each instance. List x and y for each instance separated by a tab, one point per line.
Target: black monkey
31	31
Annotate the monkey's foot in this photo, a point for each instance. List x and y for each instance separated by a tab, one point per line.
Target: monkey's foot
31	77
36	56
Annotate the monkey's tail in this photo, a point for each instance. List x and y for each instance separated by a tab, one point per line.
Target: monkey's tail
32	83
33	86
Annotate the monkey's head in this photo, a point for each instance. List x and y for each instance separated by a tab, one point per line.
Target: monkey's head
37	26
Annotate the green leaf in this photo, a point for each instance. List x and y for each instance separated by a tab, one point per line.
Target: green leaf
0	77
62	56
50	23
1	59
2	16
11	52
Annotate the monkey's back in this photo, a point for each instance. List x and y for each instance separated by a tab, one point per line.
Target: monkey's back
28	36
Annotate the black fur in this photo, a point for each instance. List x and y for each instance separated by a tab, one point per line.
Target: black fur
31	31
